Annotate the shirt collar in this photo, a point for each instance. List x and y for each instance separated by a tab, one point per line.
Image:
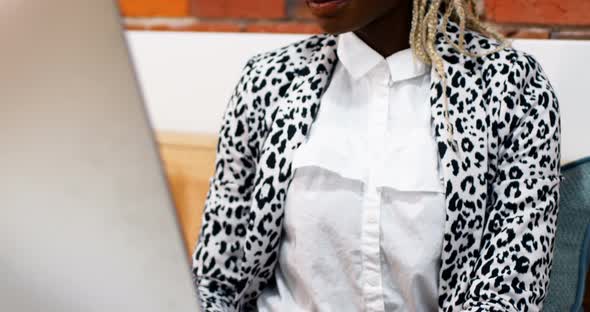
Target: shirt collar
359	59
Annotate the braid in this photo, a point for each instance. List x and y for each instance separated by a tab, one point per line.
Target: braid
423	38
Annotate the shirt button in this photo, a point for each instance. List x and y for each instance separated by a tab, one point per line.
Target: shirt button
390	83
372	219
373	281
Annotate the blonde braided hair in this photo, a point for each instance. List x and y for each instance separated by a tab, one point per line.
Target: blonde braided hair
425	19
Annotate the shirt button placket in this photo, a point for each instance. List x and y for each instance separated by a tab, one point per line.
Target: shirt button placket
390	81
371	230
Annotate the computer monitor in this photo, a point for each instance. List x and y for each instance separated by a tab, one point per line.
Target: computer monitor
86	221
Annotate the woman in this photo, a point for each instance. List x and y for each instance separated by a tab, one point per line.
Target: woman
347	180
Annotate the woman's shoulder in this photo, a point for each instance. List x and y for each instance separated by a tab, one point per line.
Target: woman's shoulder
269	74
487	51
503	69
501	55
294	53
284	63
506	72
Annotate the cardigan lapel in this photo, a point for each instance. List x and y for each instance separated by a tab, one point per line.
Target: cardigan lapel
291	121
464	170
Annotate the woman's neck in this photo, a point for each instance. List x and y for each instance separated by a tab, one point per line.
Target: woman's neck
389	33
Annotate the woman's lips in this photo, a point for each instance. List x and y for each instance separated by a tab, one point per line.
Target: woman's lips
326	8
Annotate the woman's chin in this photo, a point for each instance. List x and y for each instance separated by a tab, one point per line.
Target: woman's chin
334	26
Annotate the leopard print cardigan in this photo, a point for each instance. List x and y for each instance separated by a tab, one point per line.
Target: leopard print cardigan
502	182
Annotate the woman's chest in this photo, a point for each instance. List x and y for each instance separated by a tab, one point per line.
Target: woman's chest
370	160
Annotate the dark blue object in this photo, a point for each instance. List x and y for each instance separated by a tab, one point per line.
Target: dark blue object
572	245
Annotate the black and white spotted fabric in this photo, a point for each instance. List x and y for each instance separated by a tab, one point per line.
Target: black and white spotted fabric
502	184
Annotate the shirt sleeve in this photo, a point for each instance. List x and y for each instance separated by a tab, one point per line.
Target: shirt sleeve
512	273
216	260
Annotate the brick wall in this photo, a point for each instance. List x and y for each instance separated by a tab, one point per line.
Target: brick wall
559	19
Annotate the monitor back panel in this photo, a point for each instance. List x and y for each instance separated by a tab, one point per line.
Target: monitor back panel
86	221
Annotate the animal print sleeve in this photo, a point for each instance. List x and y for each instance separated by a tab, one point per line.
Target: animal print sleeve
512	273
219	249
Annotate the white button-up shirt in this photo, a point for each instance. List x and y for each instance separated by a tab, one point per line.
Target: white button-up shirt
364	215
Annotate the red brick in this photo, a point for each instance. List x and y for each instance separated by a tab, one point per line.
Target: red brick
581	34
525	33
192	26
545	12
135	27
284	27
149	8
267	9
201	27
